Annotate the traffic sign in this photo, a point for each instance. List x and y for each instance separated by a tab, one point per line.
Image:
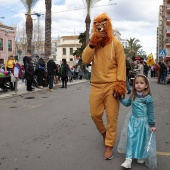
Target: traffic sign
162	53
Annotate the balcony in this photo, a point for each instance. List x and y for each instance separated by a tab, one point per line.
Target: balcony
168	22
167	42
168	34
168	10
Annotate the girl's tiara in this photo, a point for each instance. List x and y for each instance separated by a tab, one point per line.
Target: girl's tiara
142	75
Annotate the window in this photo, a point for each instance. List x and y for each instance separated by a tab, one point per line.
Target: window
71	59
1	44
71	51
9	45
64	51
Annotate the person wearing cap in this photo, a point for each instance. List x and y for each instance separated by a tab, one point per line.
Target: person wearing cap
9	65
51	67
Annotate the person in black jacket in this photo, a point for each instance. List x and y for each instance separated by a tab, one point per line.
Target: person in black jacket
51	67
40	72
64	73
29	74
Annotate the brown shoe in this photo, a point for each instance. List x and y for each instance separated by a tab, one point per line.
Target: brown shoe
108	153
104	136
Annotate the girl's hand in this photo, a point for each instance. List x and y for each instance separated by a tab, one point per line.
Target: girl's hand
153	129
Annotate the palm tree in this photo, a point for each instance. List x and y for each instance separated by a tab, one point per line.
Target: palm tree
29	4
142	53
82	40
48	29
132	42
89	4
133	47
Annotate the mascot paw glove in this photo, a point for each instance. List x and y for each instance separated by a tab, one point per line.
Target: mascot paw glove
119	90
96	39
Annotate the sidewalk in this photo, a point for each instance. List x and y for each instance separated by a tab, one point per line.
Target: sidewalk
22	89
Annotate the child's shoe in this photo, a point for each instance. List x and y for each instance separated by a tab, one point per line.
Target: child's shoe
140	161
127	163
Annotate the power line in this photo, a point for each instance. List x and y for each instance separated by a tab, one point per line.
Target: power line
80	8
74	9
8	9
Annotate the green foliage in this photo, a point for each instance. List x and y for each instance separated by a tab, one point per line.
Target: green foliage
19	52
82	40
134	49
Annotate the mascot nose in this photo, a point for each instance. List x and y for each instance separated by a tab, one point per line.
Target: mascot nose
99	29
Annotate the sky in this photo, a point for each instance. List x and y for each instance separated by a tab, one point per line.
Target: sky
132	18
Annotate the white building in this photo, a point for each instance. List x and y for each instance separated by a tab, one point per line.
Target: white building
118	36
66	46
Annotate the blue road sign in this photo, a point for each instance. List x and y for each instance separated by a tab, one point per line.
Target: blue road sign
162	53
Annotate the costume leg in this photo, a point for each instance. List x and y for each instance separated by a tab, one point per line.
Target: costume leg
112	111
97	108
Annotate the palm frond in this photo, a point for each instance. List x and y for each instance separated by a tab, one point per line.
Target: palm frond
29	4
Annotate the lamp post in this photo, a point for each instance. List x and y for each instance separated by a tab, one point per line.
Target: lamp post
38	15
6	33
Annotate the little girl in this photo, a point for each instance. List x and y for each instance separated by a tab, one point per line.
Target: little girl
137	138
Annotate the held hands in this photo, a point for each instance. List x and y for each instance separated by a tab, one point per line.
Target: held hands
97	39
153	129
119	90
118	96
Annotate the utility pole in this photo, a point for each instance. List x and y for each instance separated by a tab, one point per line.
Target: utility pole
6	33
38	39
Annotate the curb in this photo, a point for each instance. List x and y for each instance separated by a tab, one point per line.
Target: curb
21	93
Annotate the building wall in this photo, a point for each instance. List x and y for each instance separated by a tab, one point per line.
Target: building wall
7	35
66	43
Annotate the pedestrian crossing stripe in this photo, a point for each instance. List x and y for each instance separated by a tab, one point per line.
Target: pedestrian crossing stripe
163	153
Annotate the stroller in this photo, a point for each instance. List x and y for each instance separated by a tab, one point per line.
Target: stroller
5	83
35	82
131	76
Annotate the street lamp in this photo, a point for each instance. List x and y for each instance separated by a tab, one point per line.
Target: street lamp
6	33
38	15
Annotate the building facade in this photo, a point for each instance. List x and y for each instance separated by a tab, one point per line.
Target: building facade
7	42
66	46
163	30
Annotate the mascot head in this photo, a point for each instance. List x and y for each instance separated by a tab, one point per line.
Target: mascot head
103	23
150	60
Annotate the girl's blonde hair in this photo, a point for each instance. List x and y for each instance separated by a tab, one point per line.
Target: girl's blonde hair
146	91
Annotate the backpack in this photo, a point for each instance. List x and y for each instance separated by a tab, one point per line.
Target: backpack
41	67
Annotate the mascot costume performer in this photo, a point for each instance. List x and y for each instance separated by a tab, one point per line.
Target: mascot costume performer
107	78
150	60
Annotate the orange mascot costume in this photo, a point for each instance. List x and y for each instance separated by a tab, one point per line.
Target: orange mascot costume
107	78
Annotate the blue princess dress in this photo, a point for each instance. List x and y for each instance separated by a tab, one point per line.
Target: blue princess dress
136	134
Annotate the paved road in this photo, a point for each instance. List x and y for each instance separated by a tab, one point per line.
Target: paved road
53	131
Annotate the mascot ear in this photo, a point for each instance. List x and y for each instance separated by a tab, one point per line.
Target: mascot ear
105	19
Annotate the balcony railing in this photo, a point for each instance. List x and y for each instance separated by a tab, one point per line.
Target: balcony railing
167	40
